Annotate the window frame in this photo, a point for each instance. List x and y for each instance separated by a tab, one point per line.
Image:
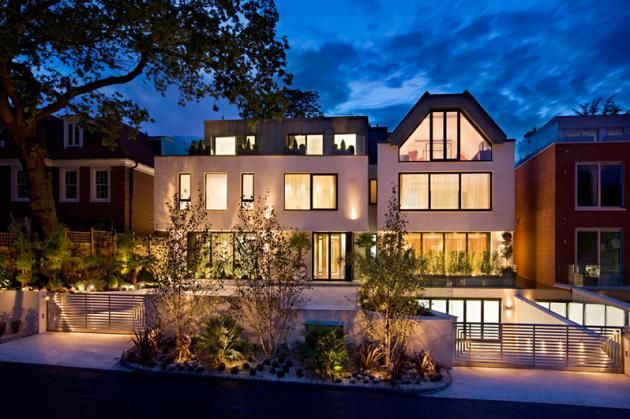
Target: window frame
306	143
599	231
63	197
15	197
347	268
77	143
247	203
214	145
310	206
444	111
205	191
375	202
93	197
459	199
356	141
599	206
187	202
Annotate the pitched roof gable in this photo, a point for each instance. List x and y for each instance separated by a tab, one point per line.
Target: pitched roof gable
464	101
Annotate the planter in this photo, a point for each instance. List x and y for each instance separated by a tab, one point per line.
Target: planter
15	326
3	328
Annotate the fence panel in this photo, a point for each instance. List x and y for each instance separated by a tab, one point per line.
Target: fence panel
539	346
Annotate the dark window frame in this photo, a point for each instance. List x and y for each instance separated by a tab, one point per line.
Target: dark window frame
348	250
459	138
179	189
599	205
311	208
247	203
459	199
287	144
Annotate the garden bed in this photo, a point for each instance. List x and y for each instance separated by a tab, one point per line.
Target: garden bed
295	373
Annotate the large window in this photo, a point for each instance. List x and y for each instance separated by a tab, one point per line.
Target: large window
446	135
184	190
69	185
311	144
345	142
100	185
329	255
304	191
446	252
599	256
445	191
600	185
588	314
216	191
247	190
224	146
373	191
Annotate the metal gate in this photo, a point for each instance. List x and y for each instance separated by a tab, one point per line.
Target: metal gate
95	312
539	346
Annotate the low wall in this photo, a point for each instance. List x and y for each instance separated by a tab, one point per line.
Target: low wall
433	333
27	306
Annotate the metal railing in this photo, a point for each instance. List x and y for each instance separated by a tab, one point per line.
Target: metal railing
539	346
96	312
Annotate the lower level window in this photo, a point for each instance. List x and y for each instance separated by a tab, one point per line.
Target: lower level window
329	255
22	185
599	256
100	185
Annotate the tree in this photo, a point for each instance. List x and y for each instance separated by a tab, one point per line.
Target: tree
302	104
67	55
389	286
270	290
180	300
595	107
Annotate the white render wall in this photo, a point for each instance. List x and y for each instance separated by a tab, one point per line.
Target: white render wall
352	188
500	218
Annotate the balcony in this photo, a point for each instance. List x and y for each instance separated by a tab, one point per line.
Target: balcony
592	276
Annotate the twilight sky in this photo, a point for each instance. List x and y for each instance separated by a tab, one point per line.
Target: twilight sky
524	61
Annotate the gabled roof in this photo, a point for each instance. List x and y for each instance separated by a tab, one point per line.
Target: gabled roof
464	101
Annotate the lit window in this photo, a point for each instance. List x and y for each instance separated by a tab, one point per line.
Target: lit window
324	191
311	144
306	191
476	190
600	185
445	191
216	191
184	190
247	190
100	185
414	191
373	191
329	256
224	146
445	136
69	188
346	142
251	140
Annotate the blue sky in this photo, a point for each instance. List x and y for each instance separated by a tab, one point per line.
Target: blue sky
524	61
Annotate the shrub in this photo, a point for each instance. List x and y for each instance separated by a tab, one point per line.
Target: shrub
56	255
368	355
25	260
145	347
324	350
5	272
221	341
426	366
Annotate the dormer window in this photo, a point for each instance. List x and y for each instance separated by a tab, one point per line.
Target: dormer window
73	135
444	136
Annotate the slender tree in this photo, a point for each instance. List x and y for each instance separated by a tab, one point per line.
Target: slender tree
599	106
389	286
68	55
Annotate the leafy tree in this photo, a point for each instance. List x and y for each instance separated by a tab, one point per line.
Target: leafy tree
67	55
389	286
56	254
302	104
595	107
180	300
270	289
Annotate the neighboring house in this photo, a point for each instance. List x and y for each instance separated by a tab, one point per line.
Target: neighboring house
314	171
453	170
93	186
572	189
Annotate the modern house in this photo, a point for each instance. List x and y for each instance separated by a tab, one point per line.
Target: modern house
572	189
93	185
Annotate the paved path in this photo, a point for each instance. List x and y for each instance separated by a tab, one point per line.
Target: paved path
83	350
97	351
67	393
540	386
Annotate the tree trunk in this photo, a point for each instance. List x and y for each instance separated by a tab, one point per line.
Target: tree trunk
42	202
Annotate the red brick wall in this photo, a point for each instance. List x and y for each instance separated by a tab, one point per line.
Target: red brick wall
534	236
568	219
